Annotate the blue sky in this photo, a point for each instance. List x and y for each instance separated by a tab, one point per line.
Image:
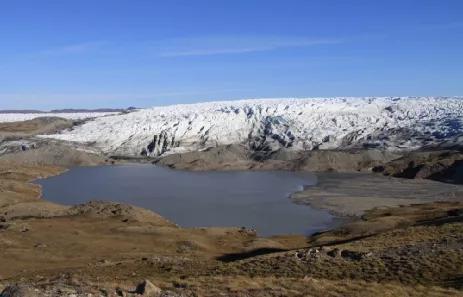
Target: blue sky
116	53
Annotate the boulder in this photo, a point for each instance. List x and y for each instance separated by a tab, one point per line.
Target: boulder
147	288
19	291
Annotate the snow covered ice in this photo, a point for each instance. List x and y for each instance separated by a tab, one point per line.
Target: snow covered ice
270	124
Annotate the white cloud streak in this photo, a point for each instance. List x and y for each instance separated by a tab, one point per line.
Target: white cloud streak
219	45
194	46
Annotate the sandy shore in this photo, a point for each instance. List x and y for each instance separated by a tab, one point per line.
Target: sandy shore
351	194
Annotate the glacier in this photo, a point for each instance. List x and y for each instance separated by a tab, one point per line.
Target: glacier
390	123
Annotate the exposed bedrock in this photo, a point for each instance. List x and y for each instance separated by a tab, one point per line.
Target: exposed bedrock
439	165
235	157
445	166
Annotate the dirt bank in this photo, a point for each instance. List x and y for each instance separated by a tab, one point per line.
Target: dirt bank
352	194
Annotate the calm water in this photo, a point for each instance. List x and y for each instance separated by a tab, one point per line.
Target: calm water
256	200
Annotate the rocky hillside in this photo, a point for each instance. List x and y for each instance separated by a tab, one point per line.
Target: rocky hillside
269	125
445	166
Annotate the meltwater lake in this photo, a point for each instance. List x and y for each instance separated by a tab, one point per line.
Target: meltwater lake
252	199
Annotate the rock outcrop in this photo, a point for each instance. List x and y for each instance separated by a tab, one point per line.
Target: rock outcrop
445	166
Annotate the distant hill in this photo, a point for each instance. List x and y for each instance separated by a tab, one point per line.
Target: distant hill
21	111
67	110
74	110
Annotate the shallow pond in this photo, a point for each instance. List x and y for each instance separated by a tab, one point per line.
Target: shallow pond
253	199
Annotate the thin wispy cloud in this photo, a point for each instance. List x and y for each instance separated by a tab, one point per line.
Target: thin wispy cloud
75	48
194	46
216	45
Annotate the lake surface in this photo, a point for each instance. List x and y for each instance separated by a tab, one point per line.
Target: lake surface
253	199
